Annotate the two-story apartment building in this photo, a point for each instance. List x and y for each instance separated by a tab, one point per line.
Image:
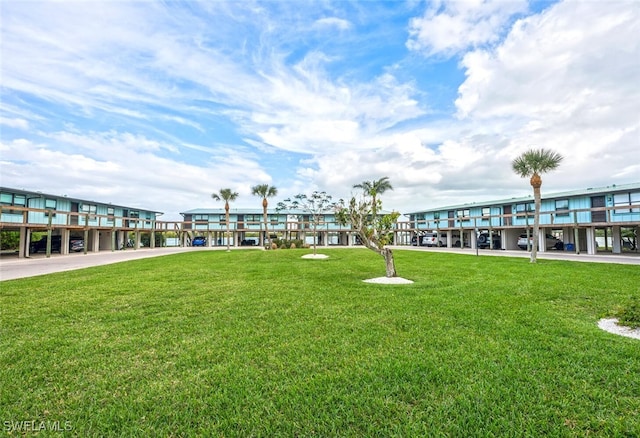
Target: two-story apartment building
583	220
102	226
246	227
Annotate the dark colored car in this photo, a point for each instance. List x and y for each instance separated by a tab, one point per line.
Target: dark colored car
75	244
41	245
199	241
484	242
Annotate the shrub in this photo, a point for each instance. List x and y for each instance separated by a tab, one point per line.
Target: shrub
291	244
274	245
630	314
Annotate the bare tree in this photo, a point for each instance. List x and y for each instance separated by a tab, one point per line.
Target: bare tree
316	205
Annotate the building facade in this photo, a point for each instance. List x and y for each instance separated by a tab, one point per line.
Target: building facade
588	220
100	226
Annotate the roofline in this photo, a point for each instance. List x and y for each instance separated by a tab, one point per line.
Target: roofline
588	191
39	194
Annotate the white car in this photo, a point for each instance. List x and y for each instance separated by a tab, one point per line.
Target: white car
551	242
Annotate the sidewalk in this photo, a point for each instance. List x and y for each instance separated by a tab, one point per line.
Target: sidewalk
625	259
12	268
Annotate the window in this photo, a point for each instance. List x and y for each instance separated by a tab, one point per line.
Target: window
89	208
111	212
623	199
222	219
486	211
436	215
524	209
200	217
50	204
9	199
273	219
134	214
463	214
251	218
562	207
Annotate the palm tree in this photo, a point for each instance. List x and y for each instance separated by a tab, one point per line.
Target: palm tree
226	195
264	191
373	189
531	164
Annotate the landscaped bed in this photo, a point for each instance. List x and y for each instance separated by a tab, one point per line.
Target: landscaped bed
265	343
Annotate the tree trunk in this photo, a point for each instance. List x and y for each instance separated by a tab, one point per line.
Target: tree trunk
266	231
389	262
536	225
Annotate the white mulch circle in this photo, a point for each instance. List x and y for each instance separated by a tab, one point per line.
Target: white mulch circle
388	280
611	326
315	256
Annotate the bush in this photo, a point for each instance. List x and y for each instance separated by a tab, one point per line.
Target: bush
630	314
291	244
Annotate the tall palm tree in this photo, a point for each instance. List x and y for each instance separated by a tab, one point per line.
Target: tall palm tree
264	191
531	164
373	189
226	195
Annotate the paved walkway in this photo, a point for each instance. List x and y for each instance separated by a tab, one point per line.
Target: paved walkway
11	267
625	259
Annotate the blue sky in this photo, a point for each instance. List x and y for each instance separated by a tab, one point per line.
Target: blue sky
159	104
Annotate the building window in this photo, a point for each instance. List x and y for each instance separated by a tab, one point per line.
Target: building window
9	199
486	212
525	209
222	219
89	208
562	207
273	219
436	215
624	199
251	218
462	214
200	217
111	212
50	204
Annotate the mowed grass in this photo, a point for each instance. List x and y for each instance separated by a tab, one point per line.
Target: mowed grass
264	343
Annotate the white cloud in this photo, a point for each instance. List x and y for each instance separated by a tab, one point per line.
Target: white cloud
448	27
332	22
14	123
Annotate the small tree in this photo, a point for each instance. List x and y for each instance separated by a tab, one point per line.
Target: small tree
375	230
316	205
226	195
264	191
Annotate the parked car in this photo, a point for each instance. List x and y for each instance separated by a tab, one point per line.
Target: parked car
429	239
248	242
432	239
75	244
199	241
41	245
485	242
551	242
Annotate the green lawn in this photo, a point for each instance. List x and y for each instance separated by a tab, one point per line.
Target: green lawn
255	343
